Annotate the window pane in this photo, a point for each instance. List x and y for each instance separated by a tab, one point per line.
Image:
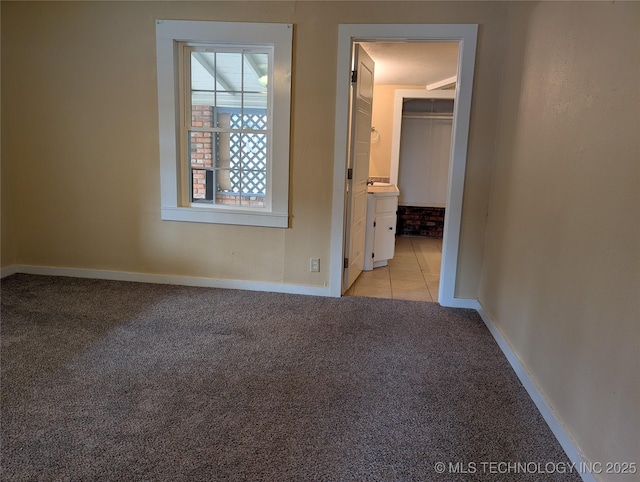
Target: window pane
255	119
203	97
240	193
200	149
225	193
223	151
202	68
255	100
224	182
254	150
201	188
235	179
229	100
256	70
253	182
235	150
201	113
229	71
252	201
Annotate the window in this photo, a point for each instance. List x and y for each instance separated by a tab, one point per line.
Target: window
226	124
224	108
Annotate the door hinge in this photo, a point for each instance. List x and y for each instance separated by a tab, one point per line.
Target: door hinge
354	76
373	255
374	224
346	263
349	173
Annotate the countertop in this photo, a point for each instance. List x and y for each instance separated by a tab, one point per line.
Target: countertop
384	190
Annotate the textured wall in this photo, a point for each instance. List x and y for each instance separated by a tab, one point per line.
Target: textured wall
7	257
86	181
382	119
561	269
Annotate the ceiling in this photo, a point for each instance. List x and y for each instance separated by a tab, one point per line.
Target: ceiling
412	63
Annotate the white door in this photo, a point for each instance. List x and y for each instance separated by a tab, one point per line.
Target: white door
358	165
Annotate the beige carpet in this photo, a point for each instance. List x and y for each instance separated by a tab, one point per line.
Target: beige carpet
110	380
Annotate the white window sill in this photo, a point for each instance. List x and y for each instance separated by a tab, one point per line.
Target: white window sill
238	217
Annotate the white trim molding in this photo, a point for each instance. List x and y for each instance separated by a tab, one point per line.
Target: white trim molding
8	271
466	36
537	396
443	84
168	279
172	101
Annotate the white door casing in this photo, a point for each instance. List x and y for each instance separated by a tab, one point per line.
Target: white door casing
466	36
360	145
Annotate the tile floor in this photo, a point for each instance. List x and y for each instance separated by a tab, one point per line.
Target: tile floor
413	273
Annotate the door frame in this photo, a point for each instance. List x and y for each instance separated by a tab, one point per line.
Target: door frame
466	36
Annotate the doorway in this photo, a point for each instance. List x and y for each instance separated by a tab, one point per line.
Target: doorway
465	35
420	141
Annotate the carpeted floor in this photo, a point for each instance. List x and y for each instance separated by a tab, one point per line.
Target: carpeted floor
107	380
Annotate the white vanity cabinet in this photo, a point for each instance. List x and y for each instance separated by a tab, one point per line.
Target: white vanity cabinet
380	235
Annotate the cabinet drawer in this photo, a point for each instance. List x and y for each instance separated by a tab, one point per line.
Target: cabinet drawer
386	204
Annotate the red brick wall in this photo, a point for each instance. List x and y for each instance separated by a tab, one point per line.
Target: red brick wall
201	154
420	221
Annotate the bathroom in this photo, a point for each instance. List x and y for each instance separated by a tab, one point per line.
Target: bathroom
412	117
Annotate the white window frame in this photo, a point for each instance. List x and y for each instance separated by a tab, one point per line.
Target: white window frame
174	204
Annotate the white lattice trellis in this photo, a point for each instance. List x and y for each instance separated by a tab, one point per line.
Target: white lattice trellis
248	162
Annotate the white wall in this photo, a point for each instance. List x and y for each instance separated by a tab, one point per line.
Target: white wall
561	273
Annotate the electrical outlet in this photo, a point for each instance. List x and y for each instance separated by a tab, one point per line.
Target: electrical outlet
314	265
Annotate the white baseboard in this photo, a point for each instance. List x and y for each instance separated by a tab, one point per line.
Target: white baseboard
168	279
8	271
459	303
537	395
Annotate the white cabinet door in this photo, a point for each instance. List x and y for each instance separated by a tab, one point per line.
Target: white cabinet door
384	238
